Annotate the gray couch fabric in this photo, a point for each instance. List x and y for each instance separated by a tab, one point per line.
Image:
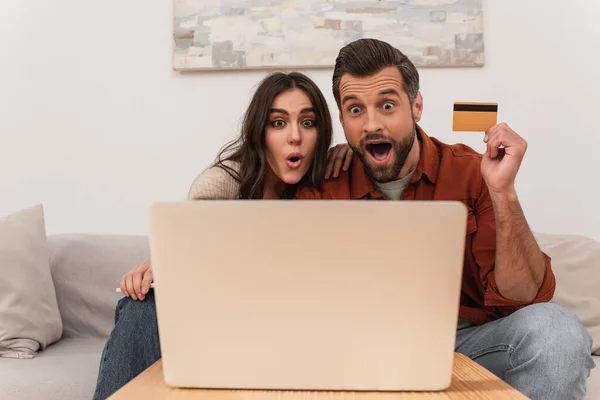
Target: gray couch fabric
593	392
86	270
65	370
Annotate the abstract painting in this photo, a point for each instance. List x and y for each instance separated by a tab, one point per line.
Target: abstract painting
259	34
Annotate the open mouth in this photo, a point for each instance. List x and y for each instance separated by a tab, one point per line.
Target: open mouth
379	151
294	160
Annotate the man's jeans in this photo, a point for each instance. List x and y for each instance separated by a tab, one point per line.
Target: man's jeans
542	350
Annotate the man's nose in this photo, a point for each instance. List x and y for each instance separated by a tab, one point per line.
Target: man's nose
373	122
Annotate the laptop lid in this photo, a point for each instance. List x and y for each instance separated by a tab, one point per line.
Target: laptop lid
308	295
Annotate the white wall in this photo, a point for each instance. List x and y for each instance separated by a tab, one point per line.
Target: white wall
96	126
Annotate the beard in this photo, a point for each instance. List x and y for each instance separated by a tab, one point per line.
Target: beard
400	150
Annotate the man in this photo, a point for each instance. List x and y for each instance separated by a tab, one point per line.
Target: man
505	323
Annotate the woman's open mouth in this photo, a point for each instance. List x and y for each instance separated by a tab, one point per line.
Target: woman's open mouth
379	152
294	160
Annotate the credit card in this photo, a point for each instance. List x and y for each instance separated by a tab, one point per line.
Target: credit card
474	117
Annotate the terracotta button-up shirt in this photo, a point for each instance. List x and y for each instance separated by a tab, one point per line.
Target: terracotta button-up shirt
449	172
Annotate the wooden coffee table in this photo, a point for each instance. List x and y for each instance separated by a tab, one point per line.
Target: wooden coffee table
469	381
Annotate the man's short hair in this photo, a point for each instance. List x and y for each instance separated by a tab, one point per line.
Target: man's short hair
366	57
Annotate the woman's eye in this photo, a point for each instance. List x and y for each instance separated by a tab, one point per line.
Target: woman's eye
354	110
308	123
388	106
278	123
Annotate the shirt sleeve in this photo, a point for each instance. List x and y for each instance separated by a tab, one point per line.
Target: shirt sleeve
484	251
214	184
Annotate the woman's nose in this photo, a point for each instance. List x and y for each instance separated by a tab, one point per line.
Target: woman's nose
295	136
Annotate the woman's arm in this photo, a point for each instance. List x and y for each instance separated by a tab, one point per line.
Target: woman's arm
215	184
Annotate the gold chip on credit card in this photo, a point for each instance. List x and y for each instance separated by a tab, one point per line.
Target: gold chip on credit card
474	117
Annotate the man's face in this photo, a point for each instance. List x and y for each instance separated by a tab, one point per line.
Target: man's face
379	121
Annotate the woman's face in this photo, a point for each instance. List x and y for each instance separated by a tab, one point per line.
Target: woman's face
291	136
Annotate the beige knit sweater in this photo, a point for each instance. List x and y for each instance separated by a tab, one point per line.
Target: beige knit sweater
215	184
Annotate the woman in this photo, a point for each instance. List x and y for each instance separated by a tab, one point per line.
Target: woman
284	144
285	137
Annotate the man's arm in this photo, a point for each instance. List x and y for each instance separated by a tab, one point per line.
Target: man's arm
520	264
493	254
520	267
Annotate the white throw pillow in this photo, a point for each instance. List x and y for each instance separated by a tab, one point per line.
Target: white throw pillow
29	315
576	265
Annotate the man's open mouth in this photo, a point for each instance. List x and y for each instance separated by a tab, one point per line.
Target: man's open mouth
379	150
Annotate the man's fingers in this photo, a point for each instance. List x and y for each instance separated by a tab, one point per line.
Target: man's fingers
146	281
490	132
494	143
491	152
503	136
493	139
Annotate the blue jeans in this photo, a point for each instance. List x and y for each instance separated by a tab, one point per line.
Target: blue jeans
542	350
132	346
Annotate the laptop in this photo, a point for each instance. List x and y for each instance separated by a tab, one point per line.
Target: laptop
308	294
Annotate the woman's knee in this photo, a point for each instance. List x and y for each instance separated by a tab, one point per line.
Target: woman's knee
137	311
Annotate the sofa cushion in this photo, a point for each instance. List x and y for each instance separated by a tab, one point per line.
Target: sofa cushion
29	316
593	383
576	265
86	270
65	370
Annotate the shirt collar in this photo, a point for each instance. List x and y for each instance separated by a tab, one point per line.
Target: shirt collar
428	165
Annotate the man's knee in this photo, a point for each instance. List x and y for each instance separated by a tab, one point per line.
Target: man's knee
551	329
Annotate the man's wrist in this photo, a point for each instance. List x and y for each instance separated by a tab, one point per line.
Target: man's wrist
508	196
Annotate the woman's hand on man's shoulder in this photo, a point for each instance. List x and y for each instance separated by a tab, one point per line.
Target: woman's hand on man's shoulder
339	158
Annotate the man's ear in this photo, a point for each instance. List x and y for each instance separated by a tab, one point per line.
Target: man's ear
417	107
341	118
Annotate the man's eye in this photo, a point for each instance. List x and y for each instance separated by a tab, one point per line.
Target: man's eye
278	123
354	110
388	106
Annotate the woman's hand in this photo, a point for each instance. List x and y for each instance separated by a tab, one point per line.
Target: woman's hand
338	157
136	283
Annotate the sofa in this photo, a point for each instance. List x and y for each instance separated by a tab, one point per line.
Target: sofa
86	269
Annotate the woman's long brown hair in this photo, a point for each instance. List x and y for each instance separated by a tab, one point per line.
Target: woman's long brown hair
249	149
